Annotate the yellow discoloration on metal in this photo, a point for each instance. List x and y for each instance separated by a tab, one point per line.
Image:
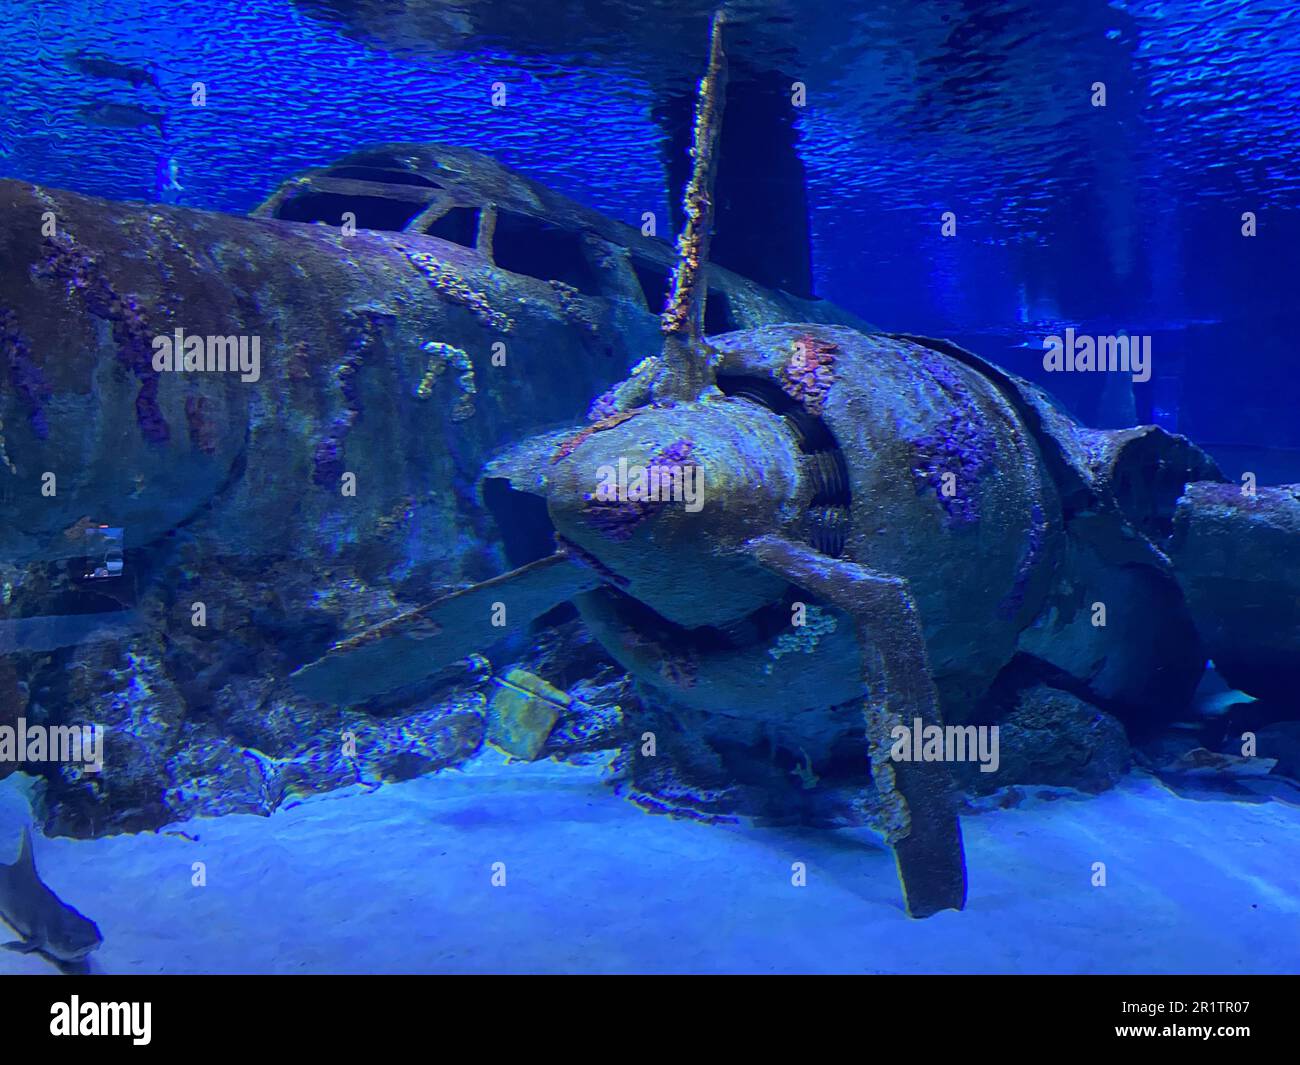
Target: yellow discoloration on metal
523	712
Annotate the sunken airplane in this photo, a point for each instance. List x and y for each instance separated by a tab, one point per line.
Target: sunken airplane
944	523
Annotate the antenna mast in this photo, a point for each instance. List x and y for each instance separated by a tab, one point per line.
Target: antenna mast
686	371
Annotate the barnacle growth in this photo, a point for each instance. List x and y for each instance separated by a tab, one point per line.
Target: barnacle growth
444	279
809	372
440	357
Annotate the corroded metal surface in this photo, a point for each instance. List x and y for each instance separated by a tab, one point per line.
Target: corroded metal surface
344	327
1237	557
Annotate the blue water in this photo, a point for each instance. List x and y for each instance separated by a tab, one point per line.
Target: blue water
1122	217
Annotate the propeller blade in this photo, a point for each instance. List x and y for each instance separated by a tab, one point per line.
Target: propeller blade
419	643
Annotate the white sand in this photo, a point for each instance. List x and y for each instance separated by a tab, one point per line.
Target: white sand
399	880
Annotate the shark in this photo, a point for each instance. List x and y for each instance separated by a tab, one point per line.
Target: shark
102	66
112	115
48	925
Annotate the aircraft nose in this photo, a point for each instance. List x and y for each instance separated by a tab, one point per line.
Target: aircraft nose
615	483
668	498
682	477
626	488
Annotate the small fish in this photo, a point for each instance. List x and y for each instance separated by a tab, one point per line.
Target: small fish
120	116
47	924
167	180
807	778
101	66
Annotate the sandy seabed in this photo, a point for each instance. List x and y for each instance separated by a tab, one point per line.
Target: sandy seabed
400	880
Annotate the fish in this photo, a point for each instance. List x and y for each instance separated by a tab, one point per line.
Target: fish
101	66
166	180
120	116
48	925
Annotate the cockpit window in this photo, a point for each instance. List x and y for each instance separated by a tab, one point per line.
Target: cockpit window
372	212
459	225
525	245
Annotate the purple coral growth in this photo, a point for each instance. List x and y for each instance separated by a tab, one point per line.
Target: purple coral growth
80	273
24	375
1032	552
941	369
148	415
203	430
674	454
953	446
618	518
809	372
602	407
327	462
